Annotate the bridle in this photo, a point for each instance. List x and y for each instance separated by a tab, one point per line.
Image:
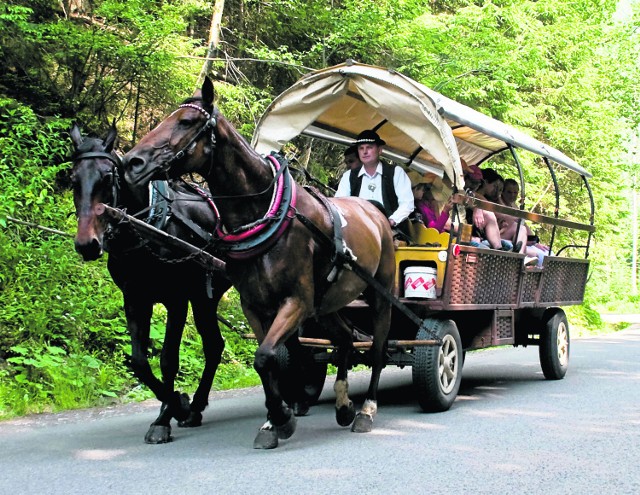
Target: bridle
117	163
210	124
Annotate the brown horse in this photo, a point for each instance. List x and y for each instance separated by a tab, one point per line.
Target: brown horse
145	276
279	243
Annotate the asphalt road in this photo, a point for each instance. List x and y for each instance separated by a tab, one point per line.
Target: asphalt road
510	431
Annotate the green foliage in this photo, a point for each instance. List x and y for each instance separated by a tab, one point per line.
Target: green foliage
63	339
120	58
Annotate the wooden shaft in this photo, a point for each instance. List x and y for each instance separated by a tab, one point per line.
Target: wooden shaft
157	236
325	343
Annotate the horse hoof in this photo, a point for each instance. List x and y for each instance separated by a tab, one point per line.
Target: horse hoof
267	438
345	414
301	408
363	423
194	419
158	434
286	430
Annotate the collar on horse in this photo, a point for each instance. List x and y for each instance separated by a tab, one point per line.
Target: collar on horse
255	238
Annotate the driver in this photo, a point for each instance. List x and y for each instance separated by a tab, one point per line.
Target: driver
378	181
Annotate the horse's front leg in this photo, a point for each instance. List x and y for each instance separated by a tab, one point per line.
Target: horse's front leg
138	314
281	421
177	310
206	321
382	320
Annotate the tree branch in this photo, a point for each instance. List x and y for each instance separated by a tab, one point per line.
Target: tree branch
46	229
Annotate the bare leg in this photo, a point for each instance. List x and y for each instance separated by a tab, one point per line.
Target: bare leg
491	229
515	234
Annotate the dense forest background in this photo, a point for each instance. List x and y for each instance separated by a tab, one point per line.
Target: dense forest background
565	71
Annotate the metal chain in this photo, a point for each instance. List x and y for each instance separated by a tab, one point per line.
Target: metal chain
145	244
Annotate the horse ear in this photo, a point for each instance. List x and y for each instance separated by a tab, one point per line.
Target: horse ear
76	135
207	91
111	137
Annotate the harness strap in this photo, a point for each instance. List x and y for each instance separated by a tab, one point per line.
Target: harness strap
344	257
247	231
260	235
203	234
338	241
115	159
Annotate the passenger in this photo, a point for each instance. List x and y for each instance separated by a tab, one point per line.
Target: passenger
491	189
378	181
510	193
534	249
492	185
351	159
425	204
484	222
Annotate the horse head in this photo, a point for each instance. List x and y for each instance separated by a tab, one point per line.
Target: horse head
182	143
197	138
94	180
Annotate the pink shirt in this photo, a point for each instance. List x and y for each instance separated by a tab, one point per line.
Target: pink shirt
429	216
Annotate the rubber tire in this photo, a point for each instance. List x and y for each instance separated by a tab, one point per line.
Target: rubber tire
314	380
554	346
437	370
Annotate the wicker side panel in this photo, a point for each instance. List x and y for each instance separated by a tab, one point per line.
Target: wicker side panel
530	282
484	277
504	327
564	280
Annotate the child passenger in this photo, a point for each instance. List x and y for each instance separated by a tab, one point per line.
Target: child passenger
425	204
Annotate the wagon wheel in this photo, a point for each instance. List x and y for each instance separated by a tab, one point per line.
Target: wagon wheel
314	376
437	370
554	346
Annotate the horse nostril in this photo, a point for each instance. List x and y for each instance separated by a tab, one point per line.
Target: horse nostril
135	163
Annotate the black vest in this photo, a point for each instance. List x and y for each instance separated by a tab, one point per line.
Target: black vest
389	196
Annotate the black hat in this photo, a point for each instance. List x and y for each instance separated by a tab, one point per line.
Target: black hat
369	137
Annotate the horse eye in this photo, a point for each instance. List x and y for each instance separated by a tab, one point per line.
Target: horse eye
107	179
186	122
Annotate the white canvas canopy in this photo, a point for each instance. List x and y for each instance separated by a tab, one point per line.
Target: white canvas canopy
423	129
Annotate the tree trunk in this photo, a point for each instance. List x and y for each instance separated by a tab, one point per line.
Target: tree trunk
214	40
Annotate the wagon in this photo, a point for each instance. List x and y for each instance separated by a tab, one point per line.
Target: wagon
483	297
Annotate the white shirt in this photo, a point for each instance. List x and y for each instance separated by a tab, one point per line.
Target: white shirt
372	189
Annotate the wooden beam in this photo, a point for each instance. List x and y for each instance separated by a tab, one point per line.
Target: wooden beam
161	238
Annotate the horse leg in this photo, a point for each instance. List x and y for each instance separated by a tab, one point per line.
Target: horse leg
381	323
177	310
298	368
335	325
281	422
206	322
138	316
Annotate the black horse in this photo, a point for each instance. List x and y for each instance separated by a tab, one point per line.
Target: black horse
146	275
